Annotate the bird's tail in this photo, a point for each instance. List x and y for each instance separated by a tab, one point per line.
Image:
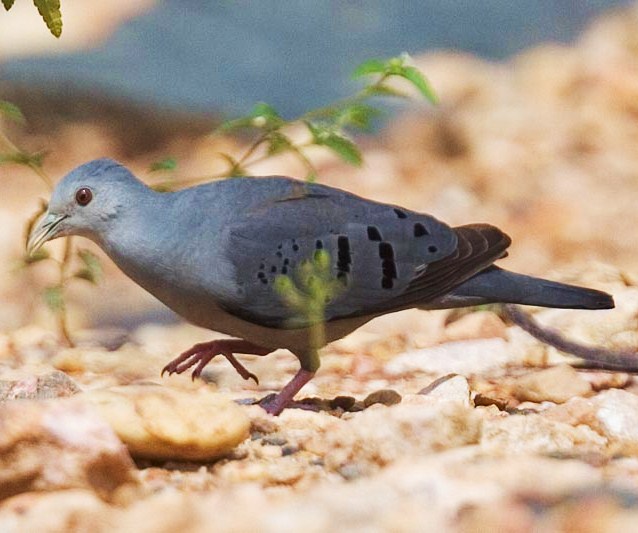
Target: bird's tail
497	285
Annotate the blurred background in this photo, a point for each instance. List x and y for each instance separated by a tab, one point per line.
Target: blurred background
536	130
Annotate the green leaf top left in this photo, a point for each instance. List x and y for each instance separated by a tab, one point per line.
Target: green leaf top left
50	12
7	4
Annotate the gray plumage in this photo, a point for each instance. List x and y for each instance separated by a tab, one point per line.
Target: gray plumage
212	253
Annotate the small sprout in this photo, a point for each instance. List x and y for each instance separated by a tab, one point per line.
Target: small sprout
278	143
263	117
168	164
11	111
324	135
259	122
397	66
371	66
322	260
236	168
358	116
54	298
24	158
92	269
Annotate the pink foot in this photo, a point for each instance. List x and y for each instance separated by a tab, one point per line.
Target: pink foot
275	405
201	354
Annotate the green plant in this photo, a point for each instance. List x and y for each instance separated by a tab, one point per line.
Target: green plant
49	11
308	291
89	268
326	126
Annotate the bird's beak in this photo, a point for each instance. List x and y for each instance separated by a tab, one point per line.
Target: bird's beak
46	229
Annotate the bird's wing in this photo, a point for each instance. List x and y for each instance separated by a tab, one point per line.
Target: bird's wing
387	258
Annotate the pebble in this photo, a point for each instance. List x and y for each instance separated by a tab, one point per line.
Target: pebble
41	386
451	387
556	384
162	423
385	397
612	413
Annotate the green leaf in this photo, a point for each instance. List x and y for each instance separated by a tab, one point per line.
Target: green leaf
235	168
262	109
54	298
384	90
416	78
345	148
11	111
371	66
50	12
235	124
278	143
7	4
337	142
23	158
358	115
167	164
92	270
262	117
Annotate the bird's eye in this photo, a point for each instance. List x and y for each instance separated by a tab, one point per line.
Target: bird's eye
83	196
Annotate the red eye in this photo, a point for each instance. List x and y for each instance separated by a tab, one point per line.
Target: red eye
83	196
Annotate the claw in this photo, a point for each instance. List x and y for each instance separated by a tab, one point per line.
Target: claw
202	353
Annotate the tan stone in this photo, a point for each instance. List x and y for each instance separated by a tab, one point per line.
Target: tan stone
61	511
556	384
612	413
380	435
450	388
60	444
28	386
533	433
161	423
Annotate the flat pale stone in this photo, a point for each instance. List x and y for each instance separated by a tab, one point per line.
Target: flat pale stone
158	422
450	388
612	413
556	384
534	433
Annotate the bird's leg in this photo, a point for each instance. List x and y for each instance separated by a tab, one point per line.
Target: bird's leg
202	353
309	366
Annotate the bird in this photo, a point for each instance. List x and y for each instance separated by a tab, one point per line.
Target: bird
214	253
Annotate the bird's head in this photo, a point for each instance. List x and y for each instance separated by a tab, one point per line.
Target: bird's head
85	201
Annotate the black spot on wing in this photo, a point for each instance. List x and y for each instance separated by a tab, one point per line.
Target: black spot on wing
386	251
374	234
344	257
399	213
388	265
419	230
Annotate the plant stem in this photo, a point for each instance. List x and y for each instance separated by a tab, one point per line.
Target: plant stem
63	325
13	148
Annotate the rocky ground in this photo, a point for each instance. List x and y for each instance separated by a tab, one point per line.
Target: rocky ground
420	421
